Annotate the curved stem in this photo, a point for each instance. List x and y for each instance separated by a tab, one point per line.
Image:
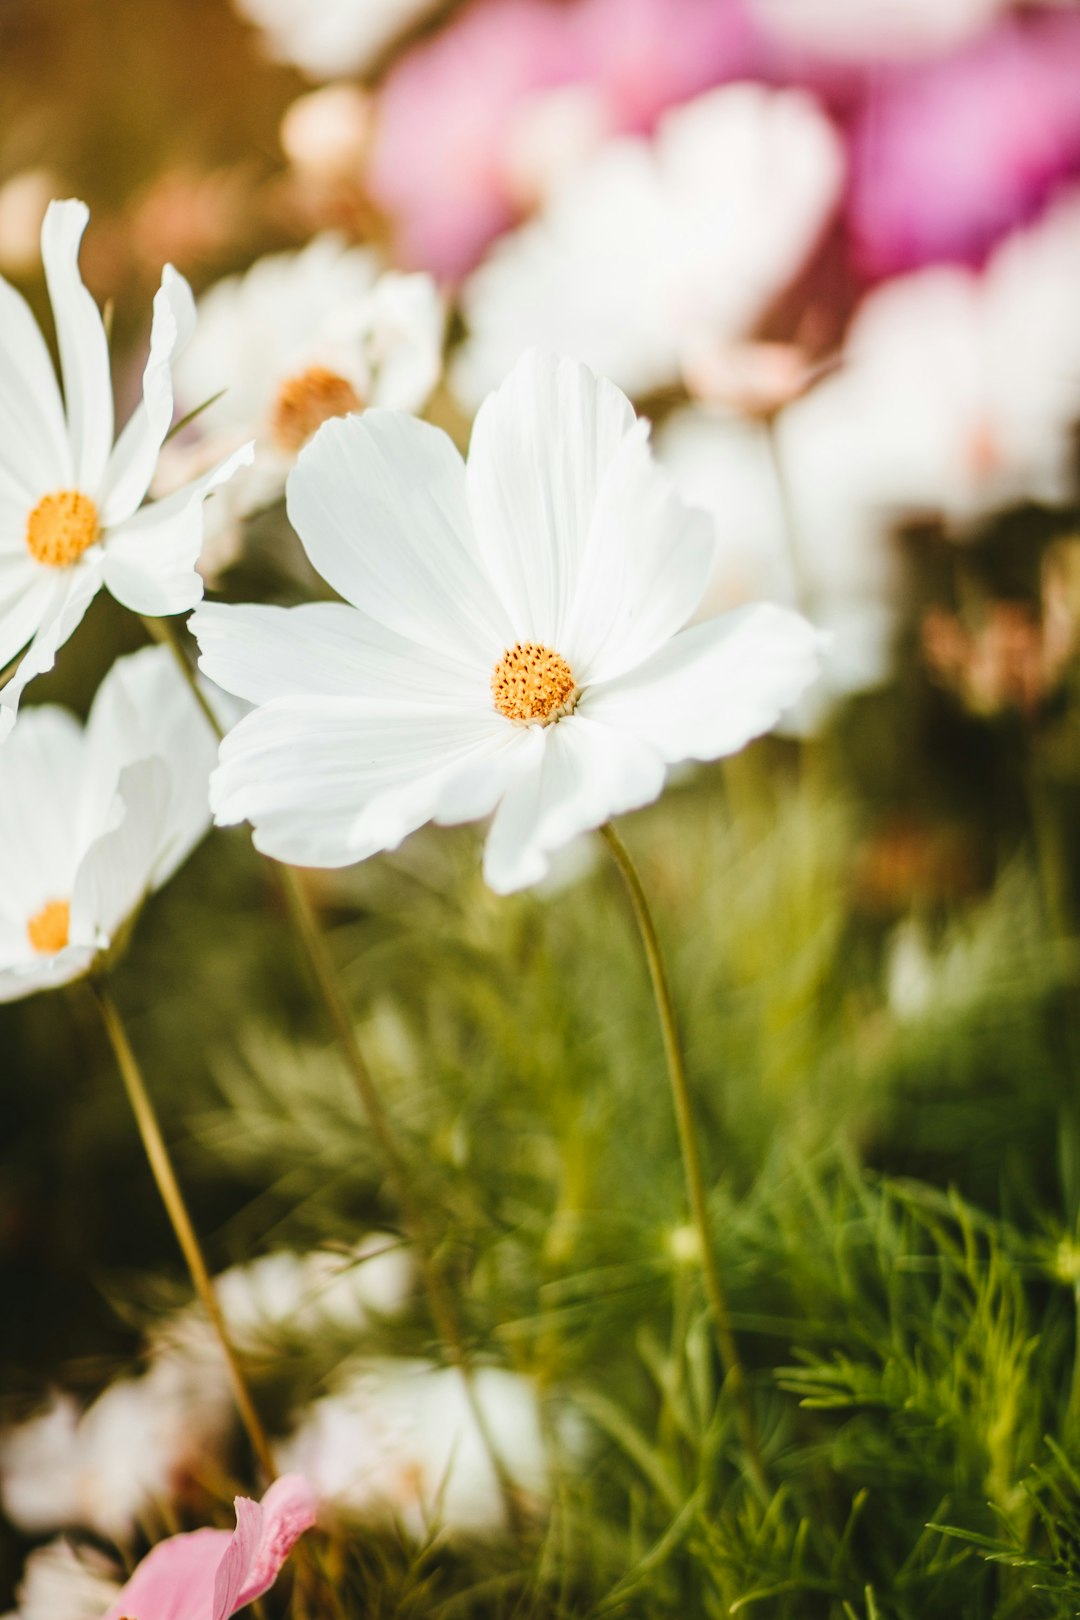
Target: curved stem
161	1165
323	969
695	1179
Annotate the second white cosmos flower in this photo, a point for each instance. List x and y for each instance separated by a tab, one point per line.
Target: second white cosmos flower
515	641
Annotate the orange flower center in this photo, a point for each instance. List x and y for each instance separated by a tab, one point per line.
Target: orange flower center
530	682
305	402
48	929
61	527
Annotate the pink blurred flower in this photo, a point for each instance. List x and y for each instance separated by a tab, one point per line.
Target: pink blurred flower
447	113
949	156
210	1574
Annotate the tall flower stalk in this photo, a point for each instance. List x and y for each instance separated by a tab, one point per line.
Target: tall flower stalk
691	1153
157	1155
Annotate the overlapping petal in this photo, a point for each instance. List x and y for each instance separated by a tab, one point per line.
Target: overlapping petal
70	594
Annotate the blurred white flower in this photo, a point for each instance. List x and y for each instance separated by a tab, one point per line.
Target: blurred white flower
960	391
24	202
62	1581
336	37
104	1468
325	133
300	338
516	642
94	820
854	29
651	250
399	1441
813	542
69	496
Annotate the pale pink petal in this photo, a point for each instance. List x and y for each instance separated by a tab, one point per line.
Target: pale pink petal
266	1533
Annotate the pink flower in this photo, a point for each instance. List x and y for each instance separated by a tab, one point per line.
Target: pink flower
448	110
949	156
210	1574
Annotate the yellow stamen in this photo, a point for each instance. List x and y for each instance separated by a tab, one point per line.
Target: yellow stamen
305	402
48	929
61	527
530	682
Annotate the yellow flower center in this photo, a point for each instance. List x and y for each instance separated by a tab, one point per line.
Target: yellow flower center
530	682
305	402
48	929
61	527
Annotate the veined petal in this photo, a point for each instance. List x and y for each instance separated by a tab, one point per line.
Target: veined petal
379	504
35	455
261	653
265	1535
71	595
115	873
576	776
134	456
175	1581
713	687
330	781
540	448
84	351
45	972
645	568
150	560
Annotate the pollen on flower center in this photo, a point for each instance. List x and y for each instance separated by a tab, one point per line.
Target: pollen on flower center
305	402
61	527
530	682
48	928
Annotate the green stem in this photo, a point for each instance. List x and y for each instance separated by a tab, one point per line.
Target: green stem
161	1165
695	1179
323	970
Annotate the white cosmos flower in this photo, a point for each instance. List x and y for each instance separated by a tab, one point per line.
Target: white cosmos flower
62	1581
399	1441
512	637
853	29
650	250
298	339
335	37
94	820
70	518
960	390
103	1468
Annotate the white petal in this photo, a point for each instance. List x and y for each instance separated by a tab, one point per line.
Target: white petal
26	591
134	457
379	503
144	709
540	448
575	777
261	653
45	972
327	781
715	686
34	452
40	768
72	593
84	351
646	566
404	323
116	873
150	560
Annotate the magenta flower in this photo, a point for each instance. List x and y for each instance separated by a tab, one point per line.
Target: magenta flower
949	156
449	110
210	1574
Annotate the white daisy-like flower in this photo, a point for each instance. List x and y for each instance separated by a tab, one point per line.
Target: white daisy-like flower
94	820
298	339
512	637
336	37
70	499
854	29
960	390
650	250
399	1440
65	1581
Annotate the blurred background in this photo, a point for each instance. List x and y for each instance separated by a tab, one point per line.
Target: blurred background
832	249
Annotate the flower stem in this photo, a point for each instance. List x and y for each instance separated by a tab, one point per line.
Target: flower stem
324	973
161	1165
695	1179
